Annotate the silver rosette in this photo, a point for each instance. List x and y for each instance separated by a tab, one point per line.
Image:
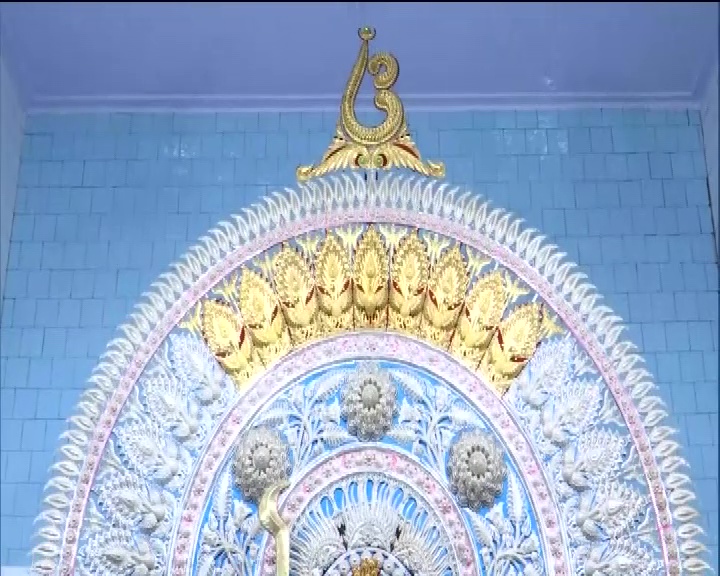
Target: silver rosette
261	460
476	469
369	402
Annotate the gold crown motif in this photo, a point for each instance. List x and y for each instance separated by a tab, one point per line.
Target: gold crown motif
382	147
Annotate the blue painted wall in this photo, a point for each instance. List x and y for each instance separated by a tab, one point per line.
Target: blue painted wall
12	117
106	202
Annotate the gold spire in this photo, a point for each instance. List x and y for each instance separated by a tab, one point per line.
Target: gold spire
385	146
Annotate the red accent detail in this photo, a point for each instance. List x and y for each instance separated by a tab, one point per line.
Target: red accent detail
408	150
310	295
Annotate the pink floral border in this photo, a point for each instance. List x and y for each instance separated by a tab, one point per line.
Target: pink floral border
393	465
455	230
363	345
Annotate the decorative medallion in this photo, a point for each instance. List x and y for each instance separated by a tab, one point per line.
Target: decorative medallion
369	402
476	469
370	377
261	461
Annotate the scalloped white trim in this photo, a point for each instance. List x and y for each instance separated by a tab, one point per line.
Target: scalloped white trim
337	194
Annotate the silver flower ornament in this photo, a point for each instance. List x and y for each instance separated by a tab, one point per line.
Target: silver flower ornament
369	402
476	469
260	461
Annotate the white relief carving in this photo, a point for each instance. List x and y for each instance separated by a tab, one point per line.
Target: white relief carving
596	472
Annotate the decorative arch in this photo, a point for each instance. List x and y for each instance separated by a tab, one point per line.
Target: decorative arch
370	375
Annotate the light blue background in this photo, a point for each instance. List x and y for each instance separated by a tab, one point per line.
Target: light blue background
106	202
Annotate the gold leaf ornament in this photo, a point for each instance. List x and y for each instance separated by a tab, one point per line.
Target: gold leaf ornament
262	314
480	316
227	337
515	341
371	280
410	271
446	290
334	284
296	290
382	278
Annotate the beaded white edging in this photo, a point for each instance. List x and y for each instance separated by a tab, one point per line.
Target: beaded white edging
428	202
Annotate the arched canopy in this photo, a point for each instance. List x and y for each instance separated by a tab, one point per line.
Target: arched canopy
387	376
381	341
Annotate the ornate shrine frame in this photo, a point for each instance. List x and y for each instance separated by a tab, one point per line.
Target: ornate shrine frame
321	203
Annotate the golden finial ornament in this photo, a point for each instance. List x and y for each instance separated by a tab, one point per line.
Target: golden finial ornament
382	147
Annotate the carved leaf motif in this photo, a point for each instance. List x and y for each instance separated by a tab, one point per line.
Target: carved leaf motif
403	433
609	511
446	289
171	405
192	362
515	501
260	308
483	310
277	414
225	335
408	412
410	271
223	495
571	412
332	276
295	286
597	455
462	417
371	273
484	531
327	384
335	435
412	386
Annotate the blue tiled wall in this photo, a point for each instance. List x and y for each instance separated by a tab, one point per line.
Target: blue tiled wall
106	202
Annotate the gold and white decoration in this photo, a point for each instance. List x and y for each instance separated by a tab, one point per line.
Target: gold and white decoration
372	374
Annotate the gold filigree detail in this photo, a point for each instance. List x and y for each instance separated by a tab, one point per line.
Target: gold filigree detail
228	339
445	296
385	278
367	567
408	282
371	280
334	285
514	343
296	289
387	145
480	316
260	308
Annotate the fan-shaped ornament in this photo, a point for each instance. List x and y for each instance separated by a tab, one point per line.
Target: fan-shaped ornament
368	376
